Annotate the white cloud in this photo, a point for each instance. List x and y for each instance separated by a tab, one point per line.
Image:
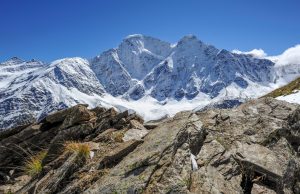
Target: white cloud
257	53
289	57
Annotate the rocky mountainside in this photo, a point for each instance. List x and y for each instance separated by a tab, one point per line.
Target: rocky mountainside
253	148
143	71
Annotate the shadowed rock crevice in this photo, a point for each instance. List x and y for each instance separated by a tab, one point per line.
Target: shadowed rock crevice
254	175
246	183
114	157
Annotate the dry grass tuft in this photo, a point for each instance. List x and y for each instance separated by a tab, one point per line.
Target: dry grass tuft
81	149
118	136
33	165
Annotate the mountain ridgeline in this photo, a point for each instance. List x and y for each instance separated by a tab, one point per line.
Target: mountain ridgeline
139	67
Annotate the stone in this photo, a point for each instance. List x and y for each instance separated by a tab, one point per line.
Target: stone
136	134
79	114
118	153
60	116
136	125
258	189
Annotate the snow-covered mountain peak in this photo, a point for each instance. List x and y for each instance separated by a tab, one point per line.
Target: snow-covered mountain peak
15	61
141	71
12	61
16	68
140	43
134	36
70	62
15	58
188	38
134	58
75	72
190	46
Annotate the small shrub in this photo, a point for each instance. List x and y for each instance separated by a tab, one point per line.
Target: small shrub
33	165
81	149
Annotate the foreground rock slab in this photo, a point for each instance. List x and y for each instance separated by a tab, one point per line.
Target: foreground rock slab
253	148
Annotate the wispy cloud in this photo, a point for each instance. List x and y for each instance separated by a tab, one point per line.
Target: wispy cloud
257	53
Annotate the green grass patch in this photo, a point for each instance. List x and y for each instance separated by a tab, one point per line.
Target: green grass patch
33	165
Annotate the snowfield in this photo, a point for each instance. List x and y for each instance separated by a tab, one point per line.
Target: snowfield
292	98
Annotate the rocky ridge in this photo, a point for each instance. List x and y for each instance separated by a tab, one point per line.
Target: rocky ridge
253	148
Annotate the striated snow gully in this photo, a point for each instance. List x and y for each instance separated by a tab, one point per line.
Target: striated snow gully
143	74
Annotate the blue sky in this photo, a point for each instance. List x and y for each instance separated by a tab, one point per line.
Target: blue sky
52	29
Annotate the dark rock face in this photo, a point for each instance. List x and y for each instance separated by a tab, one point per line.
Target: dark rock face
253	148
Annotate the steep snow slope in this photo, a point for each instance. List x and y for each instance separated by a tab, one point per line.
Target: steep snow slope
50	87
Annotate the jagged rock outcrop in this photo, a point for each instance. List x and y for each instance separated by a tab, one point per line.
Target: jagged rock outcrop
253	148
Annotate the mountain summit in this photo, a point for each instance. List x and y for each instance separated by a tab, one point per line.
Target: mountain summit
151	76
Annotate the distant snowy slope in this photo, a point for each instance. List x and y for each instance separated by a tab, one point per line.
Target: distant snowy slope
14	68
50	87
